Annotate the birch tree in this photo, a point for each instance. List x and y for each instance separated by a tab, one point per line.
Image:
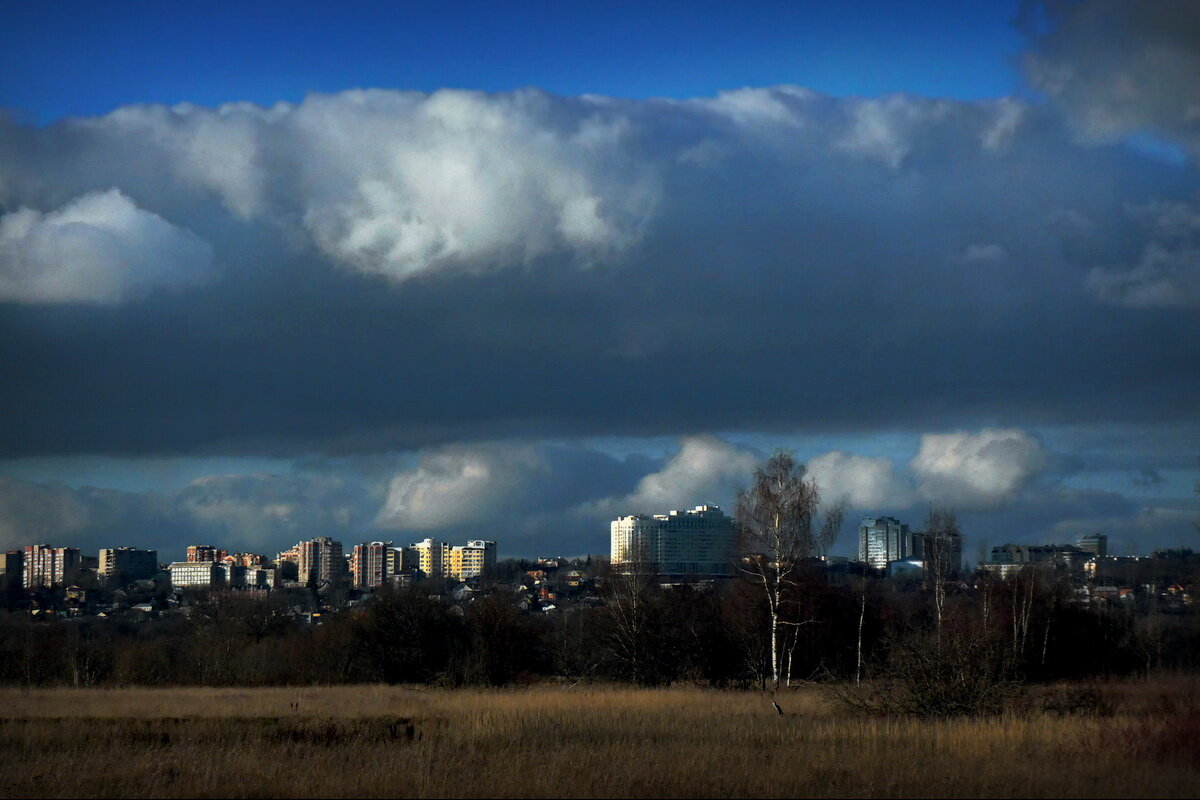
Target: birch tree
941	533
780	525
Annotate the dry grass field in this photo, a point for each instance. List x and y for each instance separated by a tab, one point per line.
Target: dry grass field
376	741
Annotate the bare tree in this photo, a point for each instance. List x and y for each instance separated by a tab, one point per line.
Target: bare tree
631	636
862	618
779	526
941	542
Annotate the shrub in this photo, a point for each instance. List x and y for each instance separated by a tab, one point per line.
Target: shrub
956	676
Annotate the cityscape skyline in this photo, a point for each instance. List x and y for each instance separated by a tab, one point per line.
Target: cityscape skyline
511	272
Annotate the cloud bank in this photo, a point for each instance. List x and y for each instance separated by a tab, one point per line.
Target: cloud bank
472	280
560	250
552	498
98	248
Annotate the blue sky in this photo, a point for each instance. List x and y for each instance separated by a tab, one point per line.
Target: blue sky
562	261
82	58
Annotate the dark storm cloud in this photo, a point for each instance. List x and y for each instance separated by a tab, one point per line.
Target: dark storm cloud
393	270
1119	66
263	513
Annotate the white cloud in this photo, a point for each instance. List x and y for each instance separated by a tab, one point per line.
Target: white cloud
972	470
100	248
705	470
860	482
219	150
885	128
461	485
399	184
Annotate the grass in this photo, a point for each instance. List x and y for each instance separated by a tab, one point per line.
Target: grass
376	741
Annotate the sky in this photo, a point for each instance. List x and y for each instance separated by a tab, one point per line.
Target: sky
389	271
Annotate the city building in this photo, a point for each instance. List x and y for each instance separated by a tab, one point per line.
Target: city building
402	560
1094	543
12	564
45	566
128	563
433	557
248	560
1004	571
953	547
197	553
1065	555
234	575
882	540
261	578
288	563
472	560
197	574
700	542
320	561
371	563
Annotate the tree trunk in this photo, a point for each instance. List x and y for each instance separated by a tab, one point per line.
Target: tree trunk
862	616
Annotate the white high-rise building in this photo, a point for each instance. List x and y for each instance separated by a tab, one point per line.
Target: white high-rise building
882	540
700	542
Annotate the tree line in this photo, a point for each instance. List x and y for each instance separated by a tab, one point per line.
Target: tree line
834	627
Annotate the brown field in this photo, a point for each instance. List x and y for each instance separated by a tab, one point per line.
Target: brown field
548	741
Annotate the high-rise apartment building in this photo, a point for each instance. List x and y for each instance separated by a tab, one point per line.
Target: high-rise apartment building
128	563
12	564
700	542
883	539
371	563
402	559
321	561
951	550
46	566
472	560
1094	543
433	557
441	560
204	552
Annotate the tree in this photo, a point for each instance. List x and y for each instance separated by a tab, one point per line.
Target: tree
941	536
779	527
633	630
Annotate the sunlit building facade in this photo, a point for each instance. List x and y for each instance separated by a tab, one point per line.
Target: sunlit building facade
472	560
882	540
46	566
700	542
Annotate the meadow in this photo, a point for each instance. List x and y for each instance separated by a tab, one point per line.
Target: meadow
587	741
